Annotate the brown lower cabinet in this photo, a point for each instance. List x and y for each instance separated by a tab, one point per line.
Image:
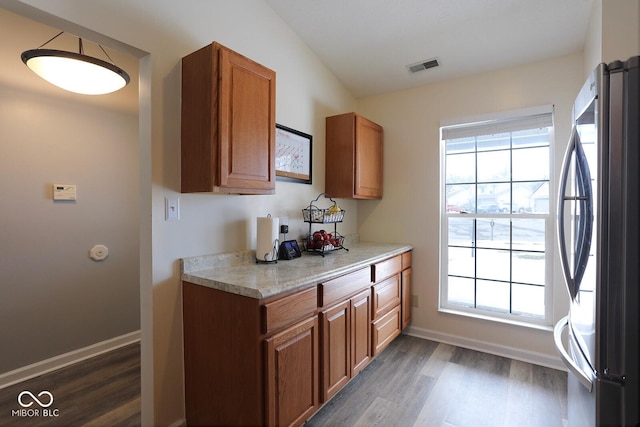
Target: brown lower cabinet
405	306
406	297
361	338
292	374
336	348
346	347
274	362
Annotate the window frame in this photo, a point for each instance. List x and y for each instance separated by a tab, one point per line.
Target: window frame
546	321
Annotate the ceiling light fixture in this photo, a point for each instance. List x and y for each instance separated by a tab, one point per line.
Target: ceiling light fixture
76	72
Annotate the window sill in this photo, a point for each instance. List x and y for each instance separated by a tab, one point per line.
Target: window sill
537	326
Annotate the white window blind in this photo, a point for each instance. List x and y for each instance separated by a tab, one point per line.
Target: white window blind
492	127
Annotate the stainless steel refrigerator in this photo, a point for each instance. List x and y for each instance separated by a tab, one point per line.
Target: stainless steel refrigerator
599	240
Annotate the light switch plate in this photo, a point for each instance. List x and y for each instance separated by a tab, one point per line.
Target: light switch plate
171	208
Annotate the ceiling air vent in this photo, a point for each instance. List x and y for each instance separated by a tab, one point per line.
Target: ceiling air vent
423	65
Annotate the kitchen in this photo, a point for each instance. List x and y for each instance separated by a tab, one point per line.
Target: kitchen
308	92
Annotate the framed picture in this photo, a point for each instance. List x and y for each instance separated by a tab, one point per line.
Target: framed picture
293	155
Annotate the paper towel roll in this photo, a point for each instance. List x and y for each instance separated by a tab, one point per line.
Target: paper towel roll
267	239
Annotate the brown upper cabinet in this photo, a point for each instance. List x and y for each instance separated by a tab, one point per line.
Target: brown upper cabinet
353	157
228	123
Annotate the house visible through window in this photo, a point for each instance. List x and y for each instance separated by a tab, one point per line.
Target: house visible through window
496	222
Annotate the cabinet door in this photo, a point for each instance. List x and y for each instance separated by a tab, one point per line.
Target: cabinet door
368	162
228	123
247	123
406	297
336	348
292	374
360	331
354	151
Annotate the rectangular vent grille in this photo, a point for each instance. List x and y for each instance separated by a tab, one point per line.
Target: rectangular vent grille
423	65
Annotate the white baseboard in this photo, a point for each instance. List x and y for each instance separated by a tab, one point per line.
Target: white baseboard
66	359
536	358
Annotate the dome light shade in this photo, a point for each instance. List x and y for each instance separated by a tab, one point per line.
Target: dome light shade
76	72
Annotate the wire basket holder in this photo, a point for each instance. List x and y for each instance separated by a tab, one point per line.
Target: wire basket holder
322	241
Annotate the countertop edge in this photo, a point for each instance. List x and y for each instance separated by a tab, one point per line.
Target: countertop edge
199	277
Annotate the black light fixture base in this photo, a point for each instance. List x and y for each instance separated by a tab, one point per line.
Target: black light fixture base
76	72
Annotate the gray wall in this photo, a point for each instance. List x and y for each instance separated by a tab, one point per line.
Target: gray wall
53	297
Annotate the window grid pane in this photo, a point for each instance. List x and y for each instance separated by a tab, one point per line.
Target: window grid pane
496	209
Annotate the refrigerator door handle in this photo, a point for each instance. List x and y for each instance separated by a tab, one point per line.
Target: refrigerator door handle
564	259
584	199
566	357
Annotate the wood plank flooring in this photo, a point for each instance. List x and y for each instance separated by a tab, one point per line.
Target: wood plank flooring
101	391
416	382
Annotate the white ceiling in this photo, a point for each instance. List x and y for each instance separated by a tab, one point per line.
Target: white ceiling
19	34
368	43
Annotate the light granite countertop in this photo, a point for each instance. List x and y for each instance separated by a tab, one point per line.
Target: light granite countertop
238	272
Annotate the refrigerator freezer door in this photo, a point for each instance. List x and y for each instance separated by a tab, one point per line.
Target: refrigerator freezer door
584	376
592	401
581	405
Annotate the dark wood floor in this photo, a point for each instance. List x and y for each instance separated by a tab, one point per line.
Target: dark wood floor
101	391
416	382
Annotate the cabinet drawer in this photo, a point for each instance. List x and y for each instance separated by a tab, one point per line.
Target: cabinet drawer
386	295
406	260
285	311
385	329
341	287
386	268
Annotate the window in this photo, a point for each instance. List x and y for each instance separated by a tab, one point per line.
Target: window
496	222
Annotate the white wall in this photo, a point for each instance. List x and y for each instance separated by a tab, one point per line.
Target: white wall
614	32
593	42
306	93
620	29
409	212
55	299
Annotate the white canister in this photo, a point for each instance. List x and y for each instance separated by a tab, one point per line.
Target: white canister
267	239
